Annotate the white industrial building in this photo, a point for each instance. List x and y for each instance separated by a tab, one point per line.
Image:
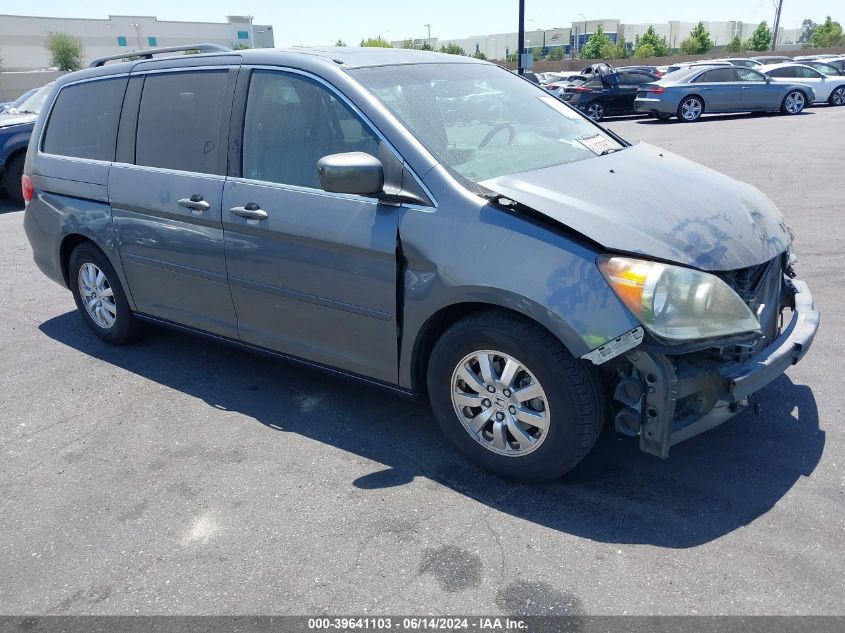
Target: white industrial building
22	38
571	38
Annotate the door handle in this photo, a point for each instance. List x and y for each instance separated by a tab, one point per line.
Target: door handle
195	203
250	211
745	87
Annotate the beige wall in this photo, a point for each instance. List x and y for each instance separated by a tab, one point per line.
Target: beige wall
13	85
22	38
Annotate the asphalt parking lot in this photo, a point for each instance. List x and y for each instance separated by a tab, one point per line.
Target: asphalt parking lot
180	476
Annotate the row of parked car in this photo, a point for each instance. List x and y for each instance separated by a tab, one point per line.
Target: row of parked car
688	90
17	119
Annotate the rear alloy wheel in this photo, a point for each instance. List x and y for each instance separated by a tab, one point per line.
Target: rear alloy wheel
837	97
690	109
595	111
99	296
793	102
510	396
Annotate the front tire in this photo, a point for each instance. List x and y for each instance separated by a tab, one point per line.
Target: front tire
793	102
510	396
100	297
690	109
12	177
837	97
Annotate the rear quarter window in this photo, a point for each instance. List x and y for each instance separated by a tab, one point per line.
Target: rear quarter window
84	119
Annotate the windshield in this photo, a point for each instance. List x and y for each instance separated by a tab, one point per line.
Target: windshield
34	102
481	121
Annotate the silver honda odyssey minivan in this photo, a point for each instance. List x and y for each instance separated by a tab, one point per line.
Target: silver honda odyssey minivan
430	224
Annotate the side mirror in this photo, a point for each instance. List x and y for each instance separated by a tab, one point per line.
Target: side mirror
351	172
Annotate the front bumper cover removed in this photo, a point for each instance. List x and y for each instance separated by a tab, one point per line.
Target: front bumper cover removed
665	383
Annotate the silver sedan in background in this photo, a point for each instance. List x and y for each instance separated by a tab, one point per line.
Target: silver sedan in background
828	88
690	92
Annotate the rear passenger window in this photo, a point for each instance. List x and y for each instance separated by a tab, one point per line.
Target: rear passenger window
83	123
291	123
180	119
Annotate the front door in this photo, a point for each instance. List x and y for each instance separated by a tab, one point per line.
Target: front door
757	93
166	207
312	274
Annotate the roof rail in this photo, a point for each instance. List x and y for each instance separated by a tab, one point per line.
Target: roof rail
148	53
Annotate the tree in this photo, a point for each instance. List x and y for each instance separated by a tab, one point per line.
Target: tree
409	43
827	35
242	46
689	46
452	49
615	51
425	46
735	45
479	55
657	43
66	51
598	43
376	42
760	38
808	27
340	42
644	49
536	53
556	54
698	41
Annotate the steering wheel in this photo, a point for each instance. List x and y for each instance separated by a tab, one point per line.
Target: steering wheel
489	136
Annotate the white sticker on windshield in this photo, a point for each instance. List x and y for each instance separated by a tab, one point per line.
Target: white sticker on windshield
560	106
598	144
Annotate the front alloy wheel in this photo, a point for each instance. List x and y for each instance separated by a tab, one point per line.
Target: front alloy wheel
509	395
500	403
837	97
794	102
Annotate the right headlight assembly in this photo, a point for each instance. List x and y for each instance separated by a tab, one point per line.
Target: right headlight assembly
676	303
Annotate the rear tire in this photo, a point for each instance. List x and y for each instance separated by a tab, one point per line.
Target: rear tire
690	109
101	300
837	97
491	418
595	111
12	177
794	102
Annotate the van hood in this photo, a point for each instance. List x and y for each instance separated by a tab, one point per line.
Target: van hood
7	120
647	201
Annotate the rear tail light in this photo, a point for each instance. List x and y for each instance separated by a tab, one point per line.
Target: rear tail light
659	90
582	89
26	187
552	86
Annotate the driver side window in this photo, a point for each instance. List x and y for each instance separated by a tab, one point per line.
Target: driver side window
746	74
291	123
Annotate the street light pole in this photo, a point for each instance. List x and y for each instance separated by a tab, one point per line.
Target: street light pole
777	24
521	38
428	26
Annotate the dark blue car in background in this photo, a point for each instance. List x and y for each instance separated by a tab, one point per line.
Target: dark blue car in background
15	130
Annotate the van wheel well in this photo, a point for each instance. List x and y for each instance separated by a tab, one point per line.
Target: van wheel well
69	243
434	328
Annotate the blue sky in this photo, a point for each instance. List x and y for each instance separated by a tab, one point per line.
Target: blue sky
317	22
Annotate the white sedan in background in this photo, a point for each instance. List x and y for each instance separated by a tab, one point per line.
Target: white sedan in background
828	88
